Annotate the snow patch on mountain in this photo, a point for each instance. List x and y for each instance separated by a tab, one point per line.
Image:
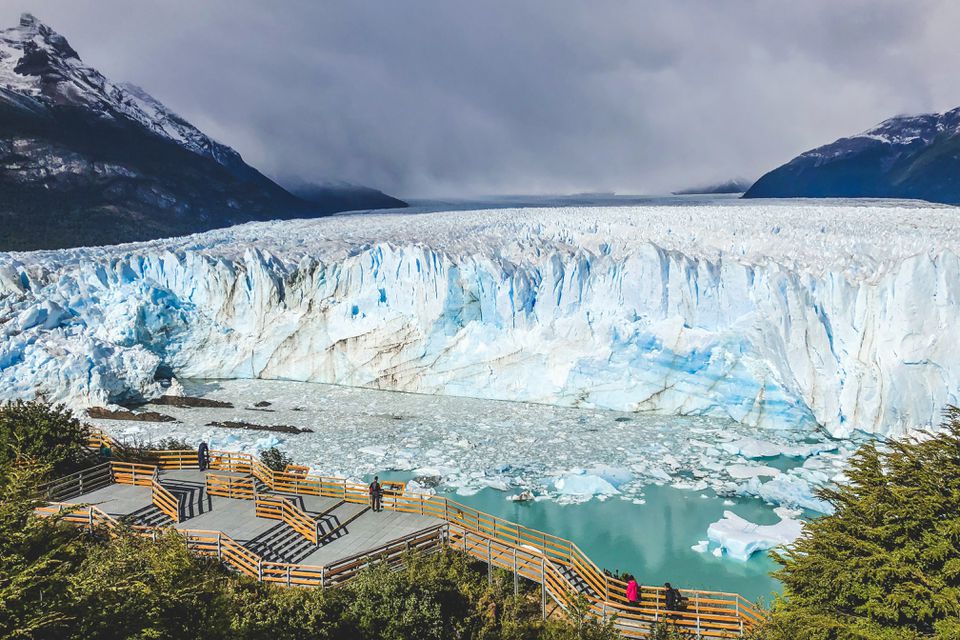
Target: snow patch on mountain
38	62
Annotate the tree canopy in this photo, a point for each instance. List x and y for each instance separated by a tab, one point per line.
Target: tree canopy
886	564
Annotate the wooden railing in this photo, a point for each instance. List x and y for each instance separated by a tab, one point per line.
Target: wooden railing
279	508
164	500
85	516
498	541
75	484
175	459
427	540
240	487
232	461
140	475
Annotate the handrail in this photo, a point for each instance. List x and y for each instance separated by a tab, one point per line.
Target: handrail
391	553
164	500
83	481
278	508
230	486
140	475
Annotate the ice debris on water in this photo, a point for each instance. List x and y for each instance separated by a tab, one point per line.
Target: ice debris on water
467	445
739	538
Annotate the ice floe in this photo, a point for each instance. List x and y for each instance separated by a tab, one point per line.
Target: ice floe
739	538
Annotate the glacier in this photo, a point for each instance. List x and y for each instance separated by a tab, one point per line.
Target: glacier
837	316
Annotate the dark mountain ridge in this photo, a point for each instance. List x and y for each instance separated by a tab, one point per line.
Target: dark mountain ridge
84	161
903	157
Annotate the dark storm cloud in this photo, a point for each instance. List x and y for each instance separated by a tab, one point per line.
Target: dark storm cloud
428	98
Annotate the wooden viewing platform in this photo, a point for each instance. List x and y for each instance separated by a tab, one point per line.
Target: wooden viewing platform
295	529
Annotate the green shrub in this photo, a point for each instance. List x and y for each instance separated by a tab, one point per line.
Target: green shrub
275	459
135	587
37	558
42	433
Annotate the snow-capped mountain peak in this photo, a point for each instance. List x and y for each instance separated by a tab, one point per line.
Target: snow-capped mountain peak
907	156
39	63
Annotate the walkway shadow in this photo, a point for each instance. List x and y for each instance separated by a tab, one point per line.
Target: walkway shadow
192	496
281	543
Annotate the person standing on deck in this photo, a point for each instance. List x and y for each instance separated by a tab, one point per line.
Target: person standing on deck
633	592
673	597
376	493
105	452
203	456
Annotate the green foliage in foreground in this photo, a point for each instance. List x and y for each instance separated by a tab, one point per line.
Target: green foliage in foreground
275	459
36	432
886	565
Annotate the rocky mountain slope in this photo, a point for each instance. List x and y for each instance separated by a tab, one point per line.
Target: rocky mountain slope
903	157
84	161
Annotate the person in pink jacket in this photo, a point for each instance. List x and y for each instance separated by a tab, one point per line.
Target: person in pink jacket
633	592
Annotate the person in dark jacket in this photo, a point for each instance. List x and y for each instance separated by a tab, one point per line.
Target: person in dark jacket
376	494
672	597
105	452
203	456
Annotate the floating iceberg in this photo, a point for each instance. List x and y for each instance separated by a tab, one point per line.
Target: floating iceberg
583	485
740	538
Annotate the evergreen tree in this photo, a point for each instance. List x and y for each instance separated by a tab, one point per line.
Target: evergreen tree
886	564
37	432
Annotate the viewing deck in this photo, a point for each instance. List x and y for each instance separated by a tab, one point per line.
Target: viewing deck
295	529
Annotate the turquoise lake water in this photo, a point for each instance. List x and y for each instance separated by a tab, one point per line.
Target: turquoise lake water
651	541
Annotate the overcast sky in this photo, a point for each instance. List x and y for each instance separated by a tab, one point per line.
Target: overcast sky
448	98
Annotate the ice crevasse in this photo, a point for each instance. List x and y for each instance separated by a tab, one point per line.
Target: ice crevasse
613	309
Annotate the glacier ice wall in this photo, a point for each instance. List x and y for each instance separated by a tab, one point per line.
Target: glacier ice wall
553	318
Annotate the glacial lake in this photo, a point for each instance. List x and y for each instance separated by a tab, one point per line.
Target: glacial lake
652	541
669	477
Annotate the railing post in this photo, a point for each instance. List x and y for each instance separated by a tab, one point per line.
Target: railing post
90	519
465	534
739	618
543	587
323	576
288	575
219	547
489	561
259	569
516	585
697	604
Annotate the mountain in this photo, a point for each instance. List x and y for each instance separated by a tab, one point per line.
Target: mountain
730	186
903	157
344	196
85	161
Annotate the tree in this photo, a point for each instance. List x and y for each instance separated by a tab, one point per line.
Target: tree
37	557
136	587
886	564
275	459
37	432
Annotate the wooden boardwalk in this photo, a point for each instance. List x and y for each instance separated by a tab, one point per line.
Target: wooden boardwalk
346	528
294	529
